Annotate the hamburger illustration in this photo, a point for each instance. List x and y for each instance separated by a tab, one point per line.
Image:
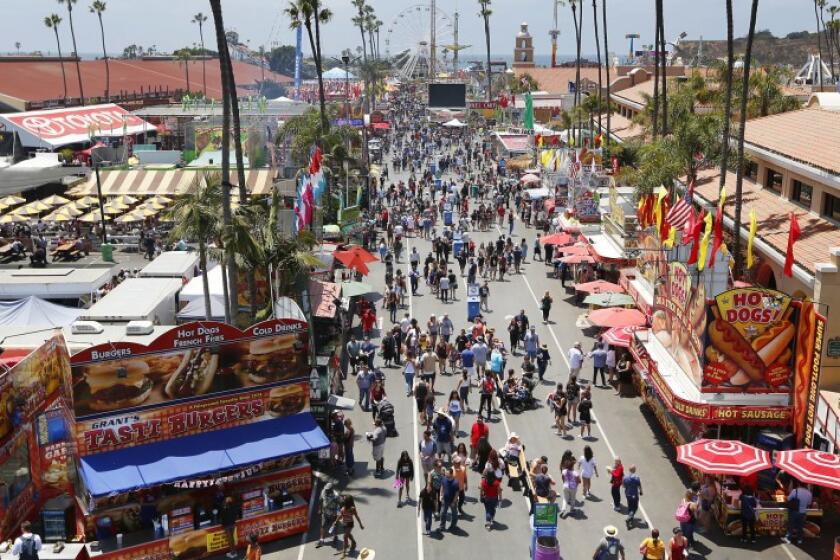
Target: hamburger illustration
269	359
116	385
286	400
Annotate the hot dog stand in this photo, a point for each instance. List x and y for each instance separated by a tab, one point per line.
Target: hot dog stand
159	435
737	364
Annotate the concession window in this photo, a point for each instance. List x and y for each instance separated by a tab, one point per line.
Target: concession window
143	466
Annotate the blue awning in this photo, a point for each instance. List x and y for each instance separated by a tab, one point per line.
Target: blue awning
143	466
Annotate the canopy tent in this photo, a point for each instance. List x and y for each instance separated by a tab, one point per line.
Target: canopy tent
454	123
195	310
170	182
36	313
538	193
55	128
194	289
287	308
338	74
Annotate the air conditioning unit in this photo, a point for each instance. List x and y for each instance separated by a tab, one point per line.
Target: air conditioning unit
86	327
137	328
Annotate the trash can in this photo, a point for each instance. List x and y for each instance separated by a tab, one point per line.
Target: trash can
107	251
447	218
474	191
457	245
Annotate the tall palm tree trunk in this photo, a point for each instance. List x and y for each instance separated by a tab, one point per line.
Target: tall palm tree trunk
487	46
742	118
203	58
318	71
577	74
598	58
107	63
607	57
76	54
205	281
61	61
819	42
664	72
827	36
655	116
319	68
221	41
575	98
727	112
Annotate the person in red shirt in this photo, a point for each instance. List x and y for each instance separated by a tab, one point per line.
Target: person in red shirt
616	478
479	430
368	321
490	490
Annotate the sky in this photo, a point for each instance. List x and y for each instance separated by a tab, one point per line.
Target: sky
166	23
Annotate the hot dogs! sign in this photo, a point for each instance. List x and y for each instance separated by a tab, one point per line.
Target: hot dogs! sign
187	363
750	341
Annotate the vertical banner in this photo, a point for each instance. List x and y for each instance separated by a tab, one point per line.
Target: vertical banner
298	60
806	372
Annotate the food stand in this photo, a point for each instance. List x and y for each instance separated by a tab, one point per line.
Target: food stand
131	449
729	363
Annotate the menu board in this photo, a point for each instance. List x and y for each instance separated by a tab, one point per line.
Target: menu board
188	362
253	503
180	520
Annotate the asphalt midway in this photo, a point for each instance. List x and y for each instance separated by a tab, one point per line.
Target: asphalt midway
623	427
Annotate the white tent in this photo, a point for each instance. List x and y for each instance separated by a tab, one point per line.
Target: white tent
195	311
283	99
194	290
36	313
454	123
338	74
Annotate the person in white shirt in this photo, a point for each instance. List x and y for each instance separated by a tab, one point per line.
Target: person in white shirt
610	365
796	519
575	360
28	543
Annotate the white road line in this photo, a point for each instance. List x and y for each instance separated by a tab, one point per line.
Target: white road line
417	468
566	360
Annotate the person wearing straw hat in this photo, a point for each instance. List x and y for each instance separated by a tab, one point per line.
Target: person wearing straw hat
610	547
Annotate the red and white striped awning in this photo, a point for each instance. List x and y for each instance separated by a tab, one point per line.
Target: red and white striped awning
170	182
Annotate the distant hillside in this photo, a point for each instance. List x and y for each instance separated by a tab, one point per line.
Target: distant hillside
792	50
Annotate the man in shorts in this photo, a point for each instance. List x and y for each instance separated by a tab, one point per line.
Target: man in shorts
480	353
428	452
468	361
328	508
443	430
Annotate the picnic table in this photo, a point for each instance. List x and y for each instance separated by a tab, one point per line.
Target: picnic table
65	250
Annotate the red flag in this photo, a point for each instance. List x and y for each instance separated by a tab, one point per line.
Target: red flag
688	226
696	233
503	102
718	239
664	226
793	235
649	205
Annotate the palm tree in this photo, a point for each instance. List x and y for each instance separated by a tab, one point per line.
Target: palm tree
817	6
833	31
303	12
97	8
17	46
52	21
766	95
739	169
75	50
822	6
598	57
661	48
727	111
655	116
607	55
195	216
485	12
359	21
200	18
320	15
221	42
184	57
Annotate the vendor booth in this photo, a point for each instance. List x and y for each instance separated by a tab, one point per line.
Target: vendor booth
138	448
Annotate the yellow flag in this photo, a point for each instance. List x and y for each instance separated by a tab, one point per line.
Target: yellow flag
672	238
704	243
753	229
545	157
657	211
722	200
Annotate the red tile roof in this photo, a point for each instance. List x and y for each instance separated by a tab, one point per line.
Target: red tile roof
556	80
773	216
38	81
809	136
622	127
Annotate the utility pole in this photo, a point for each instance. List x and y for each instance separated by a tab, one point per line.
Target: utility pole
432	43
455	55
554	33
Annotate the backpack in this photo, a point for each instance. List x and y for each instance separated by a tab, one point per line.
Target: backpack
27	548
487	387
683	514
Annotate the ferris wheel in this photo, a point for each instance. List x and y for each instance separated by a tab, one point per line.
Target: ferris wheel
408	42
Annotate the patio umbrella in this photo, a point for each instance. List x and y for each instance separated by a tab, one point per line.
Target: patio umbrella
12	200
529	178
13	219
129	218
55	200
113	210
91	217
33	208
86	201
126	199
146	212
356	251
608	299
352	289
58	216
617	317
811	466
573	250
599	287
559	238
162	199
154	204
577	259
719	456
70	209
117	204
619	336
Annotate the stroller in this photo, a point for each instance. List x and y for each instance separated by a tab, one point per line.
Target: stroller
522	398
386	414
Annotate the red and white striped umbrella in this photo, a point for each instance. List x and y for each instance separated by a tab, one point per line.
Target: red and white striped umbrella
619	336
811	466
719	456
